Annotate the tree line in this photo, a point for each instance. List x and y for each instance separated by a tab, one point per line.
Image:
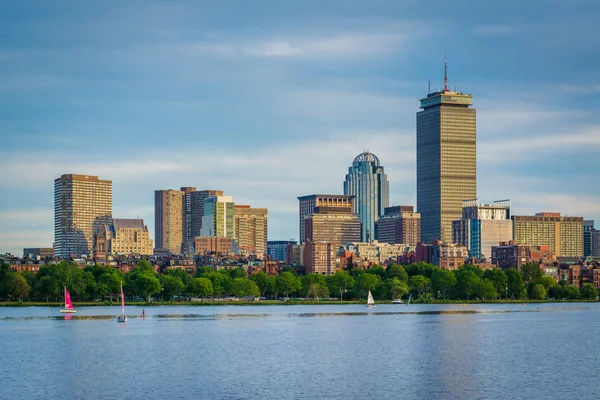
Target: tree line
425	282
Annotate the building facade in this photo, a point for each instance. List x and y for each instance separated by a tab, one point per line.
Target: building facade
375	252
215	245
399	225
308	205
588	228
168	224
193	211
367	182
511	255
251	225
483	226
38	252
219	217
81	204
277	249
334	228
320	258
563	235
446	161
123	237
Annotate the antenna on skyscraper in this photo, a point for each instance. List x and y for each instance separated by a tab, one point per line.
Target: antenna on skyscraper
445	74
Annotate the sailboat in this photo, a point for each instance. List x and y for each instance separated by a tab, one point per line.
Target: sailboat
409	297
68	304
370	301
122	317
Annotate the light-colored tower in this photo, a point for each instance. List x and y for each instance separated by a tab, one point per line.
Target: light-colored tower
81	204
168	225
446	160
367	181
251	229
218	219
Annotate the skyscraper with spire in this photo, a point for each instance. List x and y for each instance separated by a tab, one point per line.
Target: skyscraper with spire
367	181
446	160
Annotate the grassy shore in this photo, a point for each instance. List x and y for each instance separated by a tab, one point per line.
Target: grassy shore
270	302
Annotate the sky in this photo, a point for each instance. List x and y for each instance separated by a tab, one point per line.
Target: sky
269	100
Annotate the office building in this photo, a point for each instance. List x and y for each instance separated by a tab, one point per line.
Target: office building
221	246
251	230
399	225
193	211
81	204
123	237
218	219
38	253
277	249
311	204
334	228
595	243
368	183
375	252
588	228
445	255
168	224
483	226
511	255
446	160
320	258
563	235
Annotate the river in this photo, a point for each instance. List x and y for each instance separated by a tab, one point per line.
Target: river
496	351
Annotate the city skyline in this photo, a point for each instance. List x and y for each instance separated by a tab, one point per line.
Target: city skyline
266	110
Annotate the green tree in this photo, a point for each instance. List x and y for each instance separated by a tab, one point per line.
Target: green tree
239	272
289	268
112	280
442	280
200	287
515	283
498	278
48	286
20	287
265	283
287	283
547	281
316	290
419	283
396	271
171	285
422	269
484	289
589	292
340	282
220	282
538	292
144	266
467	283
179	273
555	292
474	268
366	282
202	271
242	287
397	288
571	292
309	279
531	272
147	284
377	270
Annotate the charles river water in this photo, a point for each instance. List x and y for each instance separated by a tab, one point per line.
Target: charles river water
531	351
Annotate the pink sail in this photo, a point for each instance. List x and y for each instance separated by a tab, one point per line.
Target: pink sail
122	300
68	303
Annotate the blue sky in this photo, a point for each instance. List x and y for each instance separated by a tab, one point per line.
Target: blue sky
269	100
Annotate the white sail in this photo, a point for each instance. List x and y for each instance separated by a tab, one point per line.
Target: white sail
370	300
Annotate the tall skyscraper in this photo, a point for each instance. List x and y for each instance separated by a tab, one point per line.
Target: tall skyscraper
588	229
81	204
168	225
308	205
563	235
368	183
218	219
483	226
251	229
193	211
446	160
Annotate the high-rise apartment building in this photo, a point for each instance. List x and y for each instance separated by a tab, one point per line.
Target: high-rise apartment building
334	228
123	237
446	160
399	225
563	235
193	211
218	219
320	258
251	229
168	224
367	182
308	205
483	226
81	204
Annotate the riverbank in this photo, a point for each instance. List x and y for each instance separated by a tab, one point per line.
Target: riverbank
235	302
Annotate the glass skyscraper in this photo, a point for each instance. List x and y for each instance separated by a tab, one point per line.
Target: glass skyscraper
446	161
367	181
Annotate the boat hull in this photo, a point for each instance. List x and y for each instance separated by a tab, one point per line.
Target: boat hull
122	319
68	311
